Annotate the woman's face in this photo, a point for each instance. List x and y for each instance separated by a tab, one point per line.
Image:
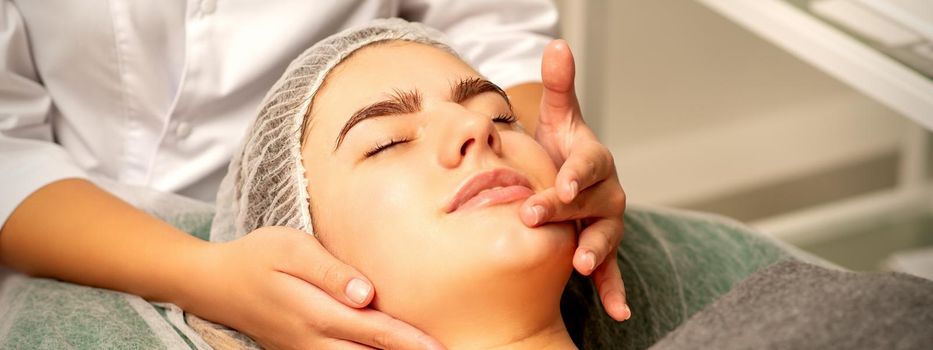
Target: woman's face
401	137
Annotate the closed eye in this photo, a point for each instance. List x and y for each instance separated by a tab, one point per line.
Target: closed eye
504	118
384	146
499	118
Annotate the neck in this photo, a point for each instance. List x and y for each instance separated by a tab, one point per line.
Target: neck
509	334
510	300
516	313
554	337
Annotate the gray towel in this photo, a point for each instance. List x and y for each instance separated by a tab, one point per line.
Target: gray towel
794	305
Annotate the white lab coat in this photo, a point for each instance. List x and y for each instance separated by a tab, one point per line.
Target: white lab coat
159	93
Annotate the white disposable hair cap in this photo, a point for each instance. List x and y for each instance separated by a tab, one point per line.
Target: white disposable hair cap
265	184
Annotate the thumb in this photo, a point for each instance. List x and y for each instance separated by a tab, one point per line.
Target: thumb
557	72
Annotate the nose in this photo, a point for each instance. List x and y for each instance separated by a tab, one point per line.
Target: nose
469	135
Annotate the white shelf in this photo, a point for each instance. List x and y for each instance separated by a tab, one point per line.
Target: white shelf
835	53
874	74
706	163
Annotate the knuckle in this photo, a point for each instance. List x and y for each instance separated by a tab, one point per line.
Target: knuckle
604	284
552	201
285	253
609	292
330	275
617	202
601	239
322	325
590	168
607	157
617	231
604	291
391	336
383	340
609	239
610	281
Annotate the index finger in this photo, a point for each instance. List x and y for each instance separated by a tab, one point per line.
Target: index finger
608	280
310	262
376	329
588	163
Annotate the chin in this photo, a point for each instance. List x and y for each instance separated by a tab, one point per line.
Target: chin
517	247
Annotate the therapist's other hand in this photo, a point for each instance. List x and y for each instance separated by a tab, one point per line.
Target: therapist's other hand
282	288
587	187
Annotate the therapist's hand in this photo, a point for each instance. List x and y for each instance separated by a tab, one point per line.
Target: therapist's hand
282	288
586	188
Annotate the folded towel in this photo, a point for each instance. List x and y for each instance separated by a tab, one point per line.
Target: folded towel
794	305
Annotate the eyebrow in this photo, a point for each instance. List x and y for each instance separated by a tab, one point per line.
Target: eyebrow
469	87
406	102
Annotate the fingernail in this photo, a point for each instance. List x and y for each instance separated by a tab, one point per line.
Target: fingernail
590	259
627	311
539	213
358	290
574	187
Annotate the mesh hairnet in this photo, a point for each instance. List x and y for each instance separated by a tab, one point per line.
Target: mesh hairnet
265	184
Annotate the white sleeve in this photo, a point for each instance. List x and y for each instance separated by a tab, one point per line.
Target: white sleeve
504	40
29	158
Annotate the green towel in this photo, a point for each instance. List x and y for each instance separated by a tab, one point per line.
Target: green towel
673	263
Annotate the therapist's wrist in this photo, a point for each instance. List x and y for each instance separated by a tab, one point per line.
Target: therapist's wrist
200	266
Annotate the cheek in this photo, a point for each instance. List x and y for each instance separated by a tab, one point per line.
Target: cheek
387	190
528	156
384	223
373	214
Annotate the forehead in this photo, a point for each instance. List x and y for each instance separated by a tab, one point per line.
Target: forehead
378	69
372	73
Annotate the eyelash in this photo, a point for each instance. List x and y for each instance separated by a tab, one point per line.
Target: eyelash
504	118
500	118
385	145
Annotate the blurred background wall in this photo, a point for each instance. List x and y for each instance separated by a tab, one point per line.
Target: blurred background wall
702	114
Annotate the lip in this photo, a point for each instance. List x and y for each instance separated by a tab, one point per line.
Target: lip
496	186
